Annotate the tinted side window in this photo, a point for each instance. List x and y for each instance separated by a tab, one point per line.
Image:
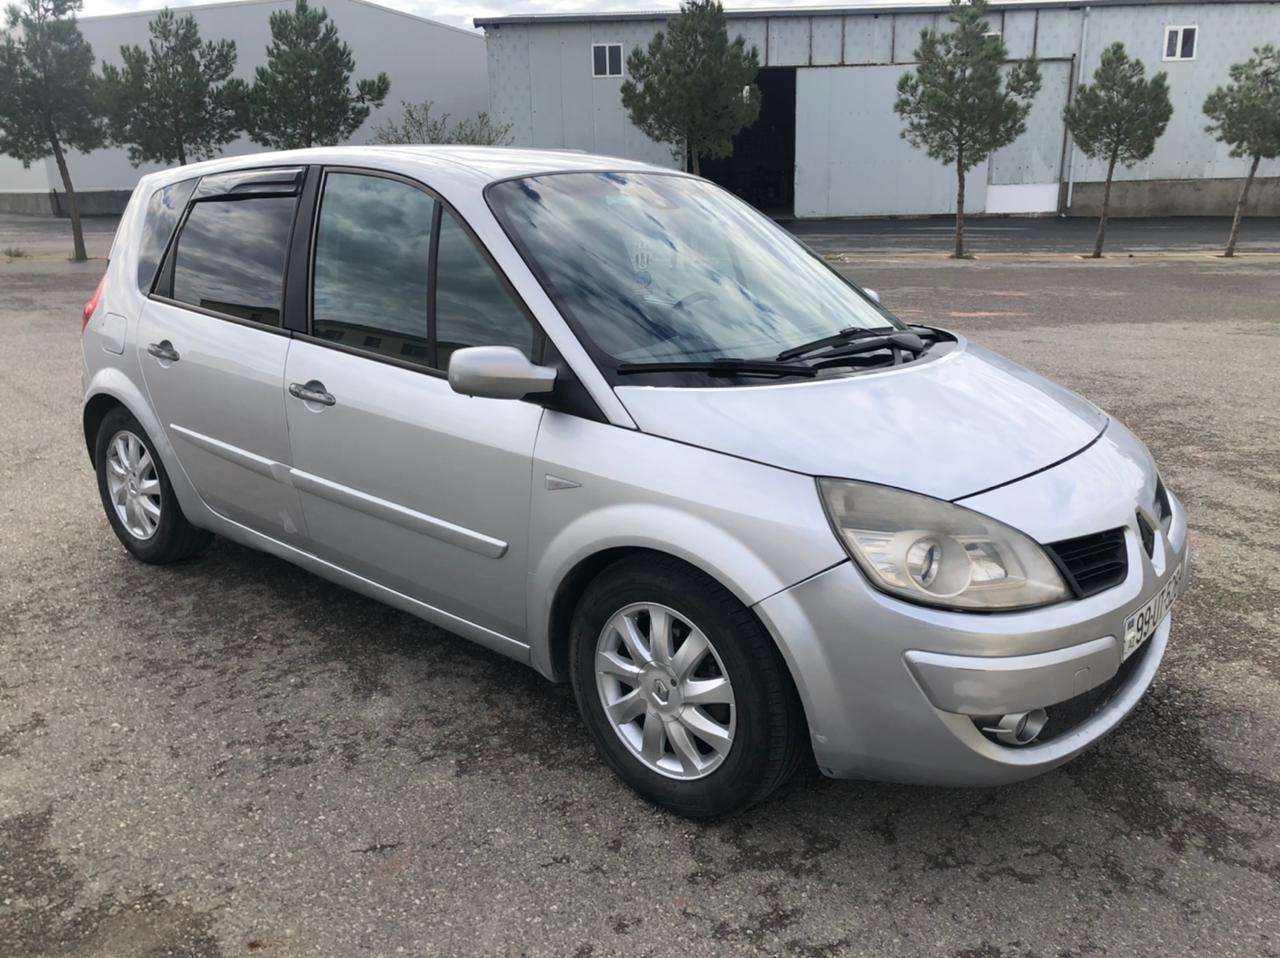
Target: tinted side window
163	211
370	287
230	257
473	308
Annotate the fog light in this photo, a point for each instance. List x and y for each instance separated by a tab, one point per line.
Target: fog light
1019	728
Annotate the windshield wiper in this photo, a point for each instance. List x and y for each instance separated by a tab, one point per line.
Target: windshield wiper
843	336
721	367
895	343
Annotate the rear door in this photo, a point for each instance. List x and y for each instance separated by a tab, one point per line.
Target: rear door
404	481
212	347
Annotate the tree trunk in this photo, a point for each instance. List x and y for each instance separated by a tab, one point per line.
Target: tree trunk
1106	204
959	250
73	205
182	154
696	170
1241	200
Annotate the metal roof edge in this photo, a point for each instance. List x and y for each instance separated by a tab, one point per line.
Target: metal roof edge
866	9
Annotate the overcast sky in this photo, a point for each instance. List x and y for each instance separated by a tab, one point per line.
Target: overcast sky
460	12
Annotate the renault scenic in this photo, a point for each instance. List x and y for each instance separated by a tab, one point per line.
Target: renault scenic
608	420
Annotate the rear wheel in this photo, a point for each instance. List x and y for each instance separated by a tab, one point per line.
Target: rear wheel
137	495
683	690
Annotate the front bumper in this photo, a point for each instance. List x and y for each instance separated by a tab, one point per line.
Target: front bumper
891	690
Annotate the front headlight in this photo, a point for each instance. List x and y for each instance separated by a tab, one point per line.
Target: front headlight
930	551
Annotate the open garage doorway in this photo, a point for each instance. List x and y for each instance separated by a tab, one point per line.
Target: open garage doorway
762	169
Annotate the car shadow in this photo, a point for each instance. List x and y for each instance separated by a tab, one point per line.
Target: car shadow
255	631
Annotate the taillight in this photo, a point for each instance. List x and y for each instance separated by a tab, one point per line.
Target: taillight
90	306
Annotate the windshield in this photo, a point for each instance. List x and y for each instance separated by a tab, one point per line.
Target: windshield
659	268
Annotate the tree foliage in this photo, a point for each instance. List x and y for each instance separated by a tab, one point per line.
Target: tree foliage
959	104
1121	114
417	125
303	96
174	102
1118	118
48	93
693	88
1246	116
1246	112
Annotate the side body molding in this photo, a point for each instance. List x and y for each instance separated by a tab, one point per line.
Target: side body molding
413	520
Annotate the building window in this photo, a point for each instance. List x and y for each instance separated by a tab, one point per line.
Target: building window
606	59
1180	43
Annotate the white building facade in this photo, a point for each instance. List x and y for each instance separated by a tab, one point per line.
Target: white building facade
424	60
828	142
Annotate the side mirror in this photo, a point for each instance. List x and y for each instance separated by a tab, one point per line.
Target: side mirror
498	372
872	293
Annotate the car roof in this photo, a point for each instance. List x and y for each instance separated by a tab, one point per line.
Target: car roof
461	165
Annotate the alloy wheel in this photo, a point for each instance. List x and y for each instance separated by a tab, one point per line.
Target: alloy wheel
665	691
133	484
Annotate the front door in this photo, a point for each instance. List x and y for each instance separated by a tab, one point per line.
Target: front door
402	480
212	353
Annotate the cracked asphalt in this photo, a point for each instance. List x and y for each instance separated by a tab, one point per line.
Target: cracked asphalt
231	757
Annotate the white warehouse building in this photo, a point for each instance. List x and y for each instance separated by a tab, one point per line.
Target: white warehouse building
424	60
827	142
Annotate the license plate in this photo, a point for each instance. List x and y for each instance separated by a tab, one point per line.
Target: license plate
1142	624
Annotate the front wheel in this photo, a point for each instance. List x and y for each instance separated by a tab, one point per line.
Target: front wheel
682	689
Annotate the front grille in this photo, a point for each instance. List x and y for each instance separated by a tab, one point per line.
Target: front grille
1164	511
1092	563
1066	716
1148	534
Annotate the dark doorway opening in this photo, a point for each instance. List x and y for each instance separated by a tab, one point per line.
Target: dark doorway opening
762	169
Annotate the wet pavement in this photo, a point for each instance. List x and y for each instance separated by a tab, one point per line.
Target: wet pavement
231	757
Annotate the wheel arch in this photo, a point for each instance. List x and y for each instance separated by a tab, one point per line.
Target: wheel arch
111	388
576	581
96	408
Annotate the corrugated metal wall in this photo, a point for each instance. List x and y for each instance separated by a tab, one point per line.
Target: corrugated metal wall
425	61
850	158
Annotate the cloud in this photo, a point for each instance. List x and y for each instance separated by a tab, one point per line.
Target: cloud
460	13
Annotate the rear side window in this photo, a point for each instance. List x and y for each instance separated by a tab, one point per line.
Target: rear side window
473	308
163	211
372	261
230	257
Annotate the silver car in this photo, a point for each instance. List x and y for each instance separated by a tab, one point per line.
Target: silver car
609	421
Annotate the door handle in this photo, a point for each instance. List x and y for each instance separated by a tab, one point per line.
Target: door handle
163	350
313	391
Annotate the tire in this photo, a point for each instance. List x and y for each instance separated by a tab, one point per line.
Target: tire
768	736
156	539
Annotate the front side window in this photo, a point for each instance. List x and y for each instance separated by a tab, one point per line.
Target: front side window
1180	43
230	257
473	308
606	59
664	268
164	209
372	261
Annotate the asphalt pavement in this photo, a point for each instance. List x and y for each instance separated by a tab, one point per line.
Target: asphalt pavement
231	757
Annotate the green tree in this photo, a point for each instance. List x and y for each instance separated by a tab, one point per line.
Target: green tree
958	106
1246	115
1118	118
303	96
419	126
175	103
694	88
48	93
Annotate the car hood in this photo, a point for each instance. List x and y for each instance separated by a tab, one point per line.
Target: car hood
947	427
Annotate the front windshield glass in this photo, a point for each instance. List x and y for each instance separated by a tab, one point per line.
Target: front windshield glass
659	268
